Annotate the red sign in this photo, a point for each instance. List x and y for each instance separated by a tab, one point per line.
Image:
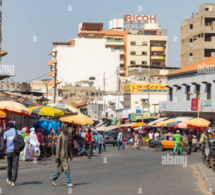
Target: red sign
139	18
194	104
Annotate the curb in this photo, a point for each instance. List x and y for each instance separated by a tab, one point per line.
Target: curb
4	166
208	184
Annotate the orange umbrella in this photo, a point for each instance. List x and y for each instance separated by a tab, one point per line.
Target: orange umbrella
198	122
14	107
3	114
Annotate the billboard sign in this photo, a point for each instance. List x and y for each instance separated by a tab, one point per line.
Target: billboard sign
140	18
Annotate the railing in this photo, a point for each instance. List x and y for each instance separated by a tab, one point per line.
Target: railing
114	40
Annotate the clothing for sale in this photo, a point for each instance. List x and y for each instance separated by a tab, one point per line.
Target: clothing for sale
47	126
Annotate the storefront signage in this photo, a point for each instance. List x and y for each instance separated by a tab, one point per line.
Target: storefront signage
206	103
135	117
143	88
194	104
140	18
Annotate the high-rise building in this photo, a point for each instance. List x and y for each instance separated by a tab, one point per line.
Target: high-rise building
147	47
198	36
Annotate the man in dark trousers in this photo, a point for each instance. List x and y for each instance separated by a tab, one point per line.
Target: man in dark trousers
12	157
63	154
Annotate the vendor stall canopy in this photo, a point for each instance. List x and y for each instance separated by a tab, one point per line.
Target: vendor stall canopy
198	122
14	107
46	111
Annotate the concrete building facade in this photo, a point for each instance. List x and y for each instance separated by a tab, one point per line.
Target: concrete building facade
198	36
192	78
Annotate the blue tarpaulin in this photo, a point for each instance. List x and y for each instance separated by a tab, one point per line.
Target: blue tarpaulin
47	126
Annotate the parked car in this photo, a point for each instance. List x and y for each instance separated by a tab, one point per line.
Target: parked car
167	142
111	137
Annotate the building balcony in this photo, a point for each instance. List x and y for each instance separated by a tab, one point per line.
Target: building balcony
157	48
158	57
121	61
51	73
51	62
114	42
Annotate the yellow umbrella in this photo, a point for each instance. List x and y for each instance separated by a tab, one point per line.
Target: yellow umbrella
198	122
137	124
3	114
45	110
14	107
164	123
77	119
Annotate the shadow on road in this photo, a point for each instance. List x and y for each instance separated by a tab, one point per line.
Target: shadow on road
75	184
31	182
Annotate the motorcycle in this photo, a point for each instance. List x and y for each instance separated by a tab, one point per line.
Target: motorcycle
212	153
206	154
185	147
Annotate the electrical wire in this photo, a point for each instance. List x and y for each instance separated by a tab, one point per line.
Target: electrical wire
37	78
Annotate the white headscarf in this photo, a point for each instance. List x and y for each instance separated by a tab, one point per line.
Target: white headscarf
33	137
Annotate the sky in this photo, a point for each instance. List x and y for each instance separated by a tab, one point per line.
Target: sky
30	27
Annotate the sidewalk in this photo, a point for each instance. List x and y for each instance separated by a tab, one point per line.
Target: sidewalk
208	176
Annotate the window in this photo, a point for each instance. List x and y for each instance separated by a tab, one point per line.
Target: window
133	53
191	28
198	90
144	62
191	57
144	43
133	42
144	53
117	48
170	94
206	9
208	91
191	43
188	90
133	62
91	36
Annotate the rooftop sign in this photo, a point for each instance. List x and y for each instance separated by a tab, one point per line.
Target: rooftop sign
140	18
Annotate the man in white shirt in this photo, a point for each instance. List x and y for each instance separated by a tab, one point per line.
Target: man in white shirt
151	136
156	135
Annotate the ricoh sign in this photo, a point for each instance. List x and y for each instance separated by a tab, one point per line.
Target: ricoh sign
140	18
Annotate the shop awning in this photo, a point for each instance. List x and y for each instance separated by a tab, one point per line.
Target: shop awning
158	120
126	125
110	128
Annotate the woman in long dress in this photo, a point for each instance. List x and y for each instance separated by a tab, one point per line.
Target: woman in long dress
34	144
24	155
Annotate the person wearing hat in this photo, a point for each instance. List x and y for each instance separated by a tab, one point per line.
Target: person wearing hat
178	139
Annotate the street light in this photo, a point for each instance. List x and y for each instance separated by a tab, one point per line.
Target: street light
199	94
143	104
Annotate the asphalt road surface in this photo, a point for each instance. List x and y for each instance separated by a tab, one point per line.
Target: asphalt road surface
127	172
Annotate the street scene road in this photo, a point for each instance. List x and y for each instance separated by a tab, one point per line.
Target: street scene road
114	172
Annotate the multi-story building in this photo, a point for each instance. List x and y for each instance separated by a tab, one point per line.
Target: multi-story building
198	36
147	47
82	58
115	39
197	78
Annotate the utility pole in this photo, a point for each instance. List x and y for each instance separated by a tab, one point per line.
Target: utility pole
46	92
149	89
118	83
104	93
55	82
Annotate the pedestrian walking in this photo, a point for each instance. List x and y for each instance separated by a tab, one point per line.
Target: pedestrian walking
119	140
151	137
126	142
99	142
136	140
63	155
13	153
178	139
103	144
89	142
